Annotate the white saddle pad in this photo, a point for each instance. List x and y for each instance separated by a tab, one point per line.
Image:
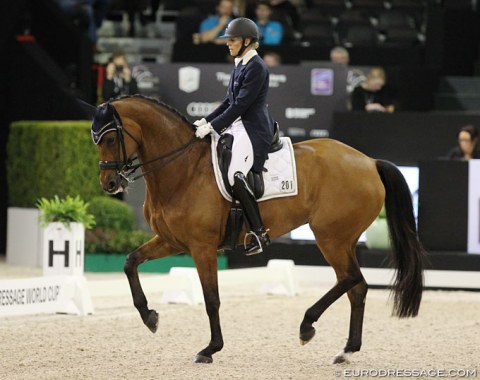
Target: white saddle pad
280	179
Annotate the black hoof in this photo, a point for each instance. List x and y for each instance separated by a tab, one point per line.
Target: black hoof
202	359
342	357
339	359
306	335
152	321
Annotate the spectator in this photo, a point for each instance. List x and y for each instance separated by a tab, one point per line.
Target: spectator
339	55
87	14
214	26
272	59
468	146
271	32
373	95
118	80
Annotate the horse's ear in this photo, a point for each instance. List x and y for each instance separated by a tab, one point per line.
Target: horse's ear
88	109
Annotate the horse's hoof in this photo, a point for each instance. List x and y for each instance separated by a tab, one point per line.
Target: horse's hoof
202	359
306	336
152	321
342	357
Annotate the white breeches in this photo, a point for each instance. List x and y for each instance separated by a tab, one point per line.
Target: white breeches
242	150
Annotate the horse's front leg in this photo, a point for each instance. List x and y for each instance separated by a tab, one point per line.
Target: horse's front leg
206	262
153	249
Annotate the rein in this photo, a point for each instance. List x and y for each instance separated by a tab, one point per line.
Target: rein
126	167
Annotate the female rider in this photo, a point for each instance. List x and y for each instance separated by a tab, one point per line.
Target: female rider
244	115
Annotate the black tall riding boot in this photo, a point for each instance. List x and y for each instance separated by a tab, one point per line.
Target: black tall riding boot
260	238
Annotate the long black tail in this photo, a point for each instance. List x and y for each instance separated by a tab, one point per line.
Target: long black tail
408	255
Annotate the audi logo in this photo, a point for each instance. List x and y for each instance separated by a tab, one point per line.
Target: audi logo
201	109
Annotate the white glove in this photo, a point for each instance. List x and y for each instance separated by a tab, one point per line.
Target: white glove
203	130
200	122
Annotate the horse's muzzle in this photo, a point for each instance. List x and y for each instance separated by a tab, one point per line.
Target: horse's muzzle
114	184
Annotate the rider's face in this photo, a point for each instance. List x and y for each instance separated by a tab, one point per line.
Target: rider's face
234	45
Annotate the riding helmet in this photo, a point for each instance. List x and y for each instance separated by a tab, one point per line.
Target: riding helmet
242	27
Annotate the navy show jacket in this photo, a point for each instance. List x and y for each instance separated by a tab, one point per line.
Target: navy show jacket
247	98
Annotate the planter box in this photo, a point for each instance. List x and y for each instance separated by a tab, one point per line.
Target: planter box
24	237
112	262
63	249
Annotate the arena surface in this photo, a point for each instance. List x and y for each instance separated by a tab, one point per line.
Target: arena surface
260	333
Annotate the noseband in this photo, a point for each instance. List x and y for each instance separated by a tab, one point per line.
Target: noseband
126	167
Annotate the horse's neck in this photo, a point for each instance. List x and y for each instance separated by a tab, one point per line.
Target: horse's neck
177	176
158	141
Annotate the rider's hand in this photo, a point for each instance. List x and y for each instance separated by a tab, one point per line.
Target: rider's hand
203	130
200	122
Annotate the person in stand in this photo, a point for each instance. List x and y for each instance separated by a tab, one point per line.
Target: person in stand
272	59
213	27
244	115
118	79
468	146
373	95
271	32
340	55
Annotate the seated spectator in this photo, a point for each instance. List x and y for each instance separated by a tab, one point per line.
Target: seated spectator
373	95
271	32
272	59
214	26
468	146
87	14
118	79
340	55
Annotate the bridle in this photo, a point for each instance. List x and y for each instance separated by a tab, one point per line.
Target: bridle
125	166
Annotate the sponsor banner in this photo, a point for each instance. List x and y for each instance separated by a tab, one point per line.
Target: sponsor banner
474	206
302	98
50	294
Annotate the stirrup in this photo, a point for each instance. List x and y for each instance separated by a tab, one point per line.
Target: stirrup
259	242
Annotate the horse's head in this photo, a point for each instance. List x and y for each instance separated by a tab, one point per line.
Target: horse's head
116	146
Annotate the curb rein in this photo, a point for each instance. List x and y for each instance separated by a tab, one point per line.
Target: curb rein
126	167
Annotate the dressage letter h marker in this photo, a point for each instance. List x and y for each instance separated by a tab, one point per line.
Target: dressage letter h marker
58	241
52	252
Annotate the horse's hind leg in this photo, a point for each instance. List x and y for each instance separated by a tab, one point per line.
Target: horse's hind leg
344	262
153	249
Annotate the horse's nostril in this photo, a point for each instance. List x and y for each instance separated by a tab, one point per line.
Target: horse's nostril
112	185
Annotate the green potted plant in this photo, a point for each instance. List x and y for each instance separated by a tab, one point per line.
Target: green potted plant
63	223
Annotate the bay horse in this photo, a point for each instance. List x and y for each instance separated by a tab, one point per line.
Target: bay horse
340	192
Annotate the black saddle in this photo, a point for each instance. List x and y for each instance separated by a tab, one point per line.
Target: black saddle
254	179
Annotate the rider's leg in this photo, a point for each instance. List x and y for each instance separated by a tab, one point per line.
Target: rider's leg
260	238
242	161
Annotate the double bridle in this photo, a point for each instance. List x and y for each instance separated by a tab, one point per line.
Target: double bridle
126	166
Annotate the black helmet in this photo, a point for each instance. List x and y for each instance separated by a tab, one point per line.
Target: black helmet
242	27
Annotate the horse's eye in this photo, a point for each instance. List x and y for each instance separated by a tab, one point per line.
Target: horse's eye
110	140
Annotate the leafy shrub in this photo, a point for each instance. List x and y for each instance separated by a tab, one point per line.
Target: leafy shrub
100	240
48	158
115	227
65	211
111	214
